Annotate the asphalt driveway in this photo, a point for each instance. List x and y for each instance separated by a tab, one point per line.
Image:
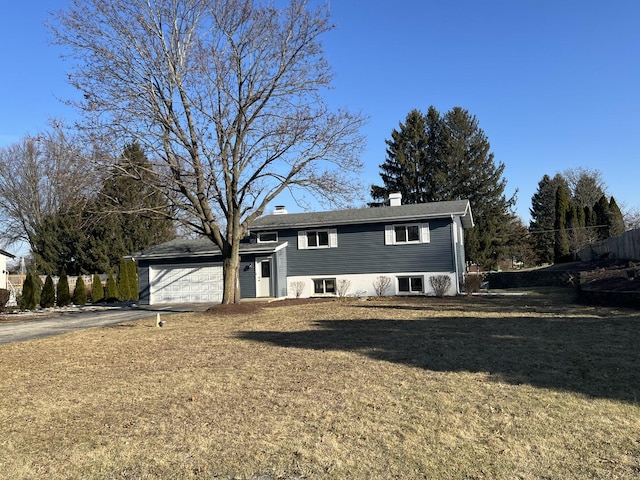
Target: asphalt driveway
65	322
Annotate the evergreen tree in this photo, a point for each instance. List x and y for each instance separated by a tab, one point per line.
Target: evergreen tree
133	279
124	284
62	290
48	297
450	160
561	246
111	293
37	288
617	226
543	216
132	214
97	290
80	292
404	168
27	299
603	217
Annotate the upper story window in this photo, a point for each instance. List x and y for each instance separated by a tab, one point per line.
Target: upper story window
406	233
308	239
266	237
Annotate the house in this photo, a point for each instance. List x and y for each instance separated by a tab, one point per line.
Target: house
3	267
342	252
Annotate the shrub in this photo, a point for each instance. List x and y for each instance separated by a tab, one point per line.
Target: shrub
472	283
37	288
343	288
97	290
28	297
440	284
297	288
111	294
5	295
48	297
133	279
79	292
381	285
62	291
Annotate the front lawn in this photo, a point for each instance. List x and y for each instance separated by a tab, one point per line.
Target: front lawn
482	387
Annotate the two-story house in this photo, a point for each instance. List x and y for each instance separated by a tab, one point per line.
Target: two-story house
342	252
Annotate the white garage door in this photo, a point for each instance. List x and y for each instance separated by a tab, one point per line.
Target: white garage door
179	284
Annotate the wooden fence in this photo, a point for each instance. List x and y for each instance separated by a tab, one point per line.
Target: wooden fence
622	247
15	282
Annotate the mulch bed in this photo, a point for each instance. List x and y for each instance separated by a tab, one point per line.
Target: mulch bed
247	308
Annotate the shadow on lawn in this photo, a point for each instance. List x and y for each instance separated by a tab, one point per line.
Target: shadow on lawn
599	357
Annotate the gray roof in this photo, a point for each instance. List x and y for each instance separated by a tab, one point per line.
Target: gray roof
403	213
200	247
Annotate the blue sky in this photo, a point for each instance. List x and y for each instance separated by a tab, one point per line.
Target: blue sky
554	83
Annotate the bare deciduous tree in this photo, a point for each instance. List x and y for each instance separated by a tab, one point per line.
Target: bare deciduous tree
226	93
40	176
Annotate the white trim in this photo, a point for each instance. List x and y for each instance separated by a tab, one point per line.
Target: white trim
303	239
424	234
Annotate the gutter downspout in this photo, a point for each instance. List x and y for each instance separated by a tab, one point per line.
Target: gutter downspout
455	254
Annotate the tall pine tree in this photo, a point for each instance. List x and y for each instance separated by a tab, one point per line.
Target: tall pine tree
447	157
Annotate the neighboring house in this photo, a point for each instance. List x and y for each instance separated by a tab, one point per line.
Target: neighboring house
3	267
319	254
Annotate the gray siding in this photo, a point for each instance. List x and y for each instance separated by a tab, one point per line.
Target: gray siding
247	277
361	249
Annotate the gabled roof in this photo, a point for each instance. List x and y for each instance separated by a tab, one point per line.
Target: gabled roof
6	254
200	247
400	213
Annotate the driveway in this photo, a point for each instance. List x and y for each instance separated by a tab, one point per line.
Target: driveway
65	322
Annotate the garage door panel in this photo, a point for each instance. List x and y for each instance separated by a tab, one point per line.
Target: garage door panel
178	284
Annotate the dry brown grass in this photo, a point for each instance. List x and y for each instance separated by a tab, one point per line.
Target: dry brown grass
515	387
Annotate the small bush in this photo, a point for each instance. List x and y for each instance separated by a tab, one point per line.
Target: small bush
28	297
381	285
62	291
111	293
440	284
472	283
5	295
80	292
343	288
297	288
97	290
48	296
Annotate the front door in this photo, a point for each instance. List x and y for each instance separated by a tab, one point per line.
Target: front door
263	277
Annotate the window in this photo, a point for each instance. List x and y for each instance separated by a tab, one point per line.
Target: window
267	237
322	286
318	239
309	239
406	233
410	285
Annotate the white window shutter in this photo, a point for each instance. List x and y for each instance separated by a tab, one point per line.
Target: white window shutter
425	235
333	238
389	235
302	240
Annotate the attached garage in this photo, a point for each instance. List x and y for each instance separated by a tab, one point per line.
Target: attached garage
190	271
181	284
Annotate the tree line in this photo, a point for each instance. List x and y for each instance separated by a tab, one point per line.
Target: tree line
434	157
77	219
123	287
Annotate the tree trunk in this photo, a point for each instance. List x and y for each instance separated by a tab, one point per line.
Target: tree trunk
231	273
